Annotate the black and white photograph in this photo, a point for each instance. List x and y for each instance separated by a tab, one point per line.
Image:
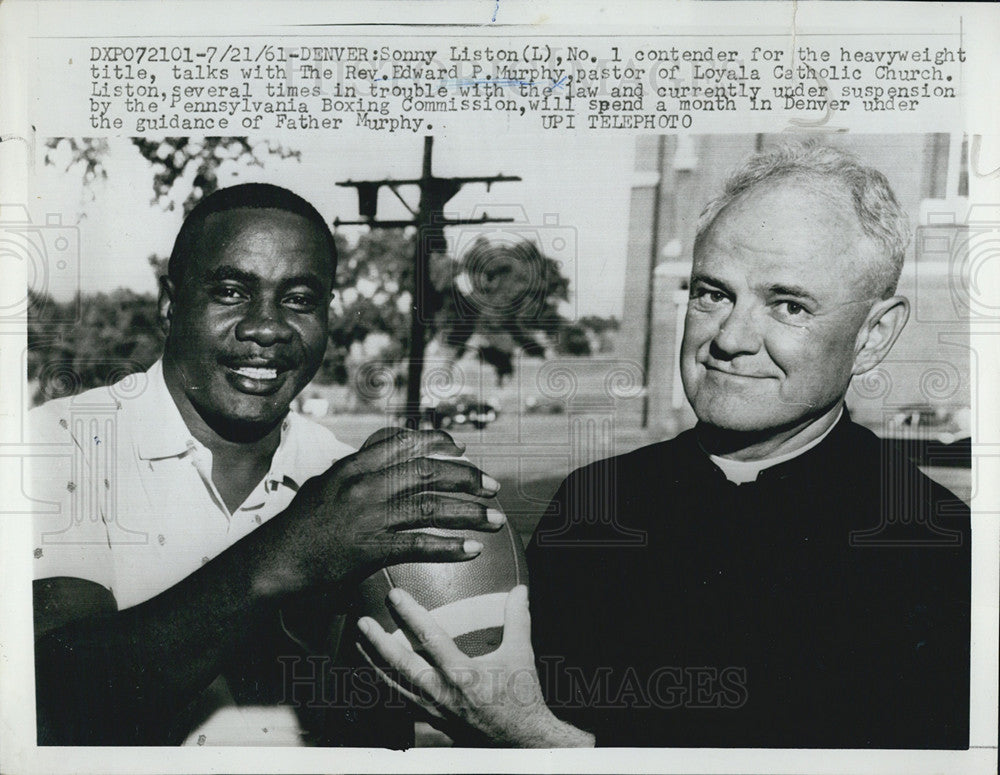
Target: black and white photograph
377	398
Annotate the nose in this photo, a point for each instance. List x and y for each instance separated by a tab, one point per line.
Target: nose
265	325
738	334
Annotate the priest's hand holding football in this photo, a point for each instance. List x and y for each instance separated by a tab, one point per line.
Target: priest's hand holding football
495	696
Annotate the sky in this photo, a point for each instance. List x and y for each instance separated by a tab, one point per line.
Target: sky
573	199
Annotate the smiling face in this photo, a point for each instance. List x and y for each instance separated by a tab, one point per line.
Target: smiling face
247	322
776	321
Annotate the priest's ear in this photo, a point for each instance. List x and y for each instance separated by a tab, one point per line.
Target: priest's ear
882	327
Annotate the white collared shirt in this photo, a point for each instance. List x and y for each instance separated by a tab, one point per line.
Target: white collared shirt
126	500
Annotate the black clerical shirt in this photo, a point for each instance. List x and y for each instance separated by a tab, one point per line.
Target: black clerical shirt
824	605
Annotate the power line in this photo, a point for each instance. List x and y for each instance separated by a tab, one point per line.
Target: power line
428	218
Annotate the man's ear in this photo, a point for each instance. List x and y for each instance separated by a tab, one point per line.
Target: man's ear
165	303
879	332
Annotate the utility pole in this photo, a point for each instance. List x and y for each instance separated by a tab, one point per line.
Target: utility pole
429	219
654	252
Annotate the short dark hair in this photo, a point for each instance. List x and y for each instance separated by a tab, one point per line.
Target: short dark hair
246	196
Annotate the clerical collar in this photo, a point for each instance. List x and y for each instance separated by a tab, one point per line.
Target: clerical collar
743	471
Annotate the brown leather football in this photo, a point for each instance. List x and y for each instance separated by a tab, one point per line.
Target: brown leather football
466	598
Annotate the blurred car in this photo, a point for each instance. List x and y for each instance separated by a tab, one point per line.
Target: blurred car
466	409
934	436
535	405
942	424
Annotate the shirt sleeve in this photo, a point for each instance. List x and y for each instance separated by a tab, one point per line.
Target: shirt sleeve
70	537
566	635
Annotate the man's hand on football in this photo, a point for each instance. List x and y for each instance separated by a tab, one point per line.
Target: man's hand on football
497	695
363	513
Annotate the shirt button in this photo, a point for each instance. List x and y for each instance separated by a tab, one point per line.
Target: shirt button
257	519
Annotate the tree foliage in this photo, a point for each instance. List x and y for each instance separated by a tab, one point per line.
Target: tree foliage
589	334
172	158
370	298
85	154
91	340
497	298
506	292
494	299
503	298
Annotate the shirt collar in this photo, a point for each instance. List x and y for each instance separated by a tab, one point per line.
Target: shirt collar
164	434
818	460
813	459
742	471
290	463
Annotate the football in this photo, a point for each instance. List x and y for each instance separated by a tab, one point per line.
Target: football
466	598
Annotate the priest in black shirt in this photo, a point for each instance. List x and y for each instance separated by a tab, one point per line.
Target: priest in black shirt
775	577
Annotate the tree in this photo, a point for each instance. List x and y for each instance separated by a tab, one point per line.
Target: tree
369	299
588	334
503	297
93	340
497	299
573	340
177	157
172	159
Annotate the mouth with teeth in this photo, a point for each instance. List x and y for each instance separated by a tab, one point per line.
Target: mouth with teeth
255	372
256	379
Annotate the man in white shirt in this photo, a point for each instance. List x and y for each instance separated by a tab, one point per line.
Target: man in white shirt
184	505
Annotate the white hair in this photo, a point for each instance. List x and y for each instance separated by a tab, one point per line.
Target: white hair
865	188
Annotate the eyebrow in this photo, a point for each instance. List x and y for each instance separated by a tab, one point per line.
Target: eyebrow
228	272
312	282
791	290
775	289
708	280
